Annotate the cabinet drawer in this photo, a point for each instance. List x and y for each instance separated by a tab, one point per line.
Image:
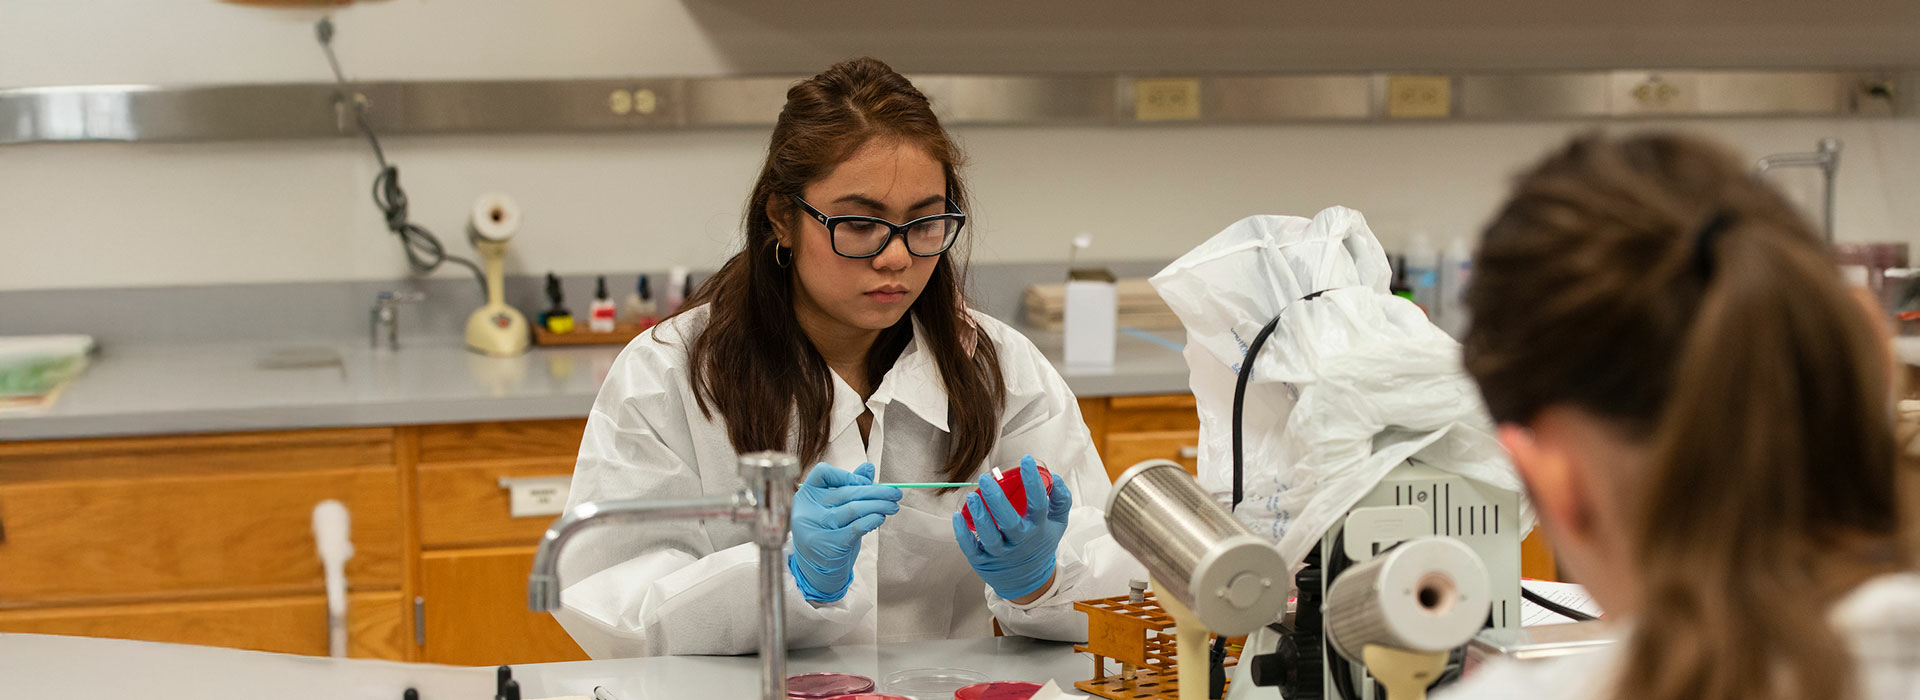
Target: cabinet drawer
476	611
194	455
463	505
1125	450
231	535
1148	414
471	442
289	625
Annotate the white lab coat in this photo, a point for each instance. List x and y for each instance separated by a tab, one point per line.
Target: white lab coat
1880	620
690	587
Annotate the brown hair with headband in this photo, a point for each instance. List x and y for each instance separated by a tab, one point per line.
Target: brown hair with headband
1653	282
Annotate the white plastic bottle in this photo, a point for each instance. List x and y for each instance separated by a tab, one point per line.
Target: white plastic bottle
1456	270
676	290
601	316
1423	273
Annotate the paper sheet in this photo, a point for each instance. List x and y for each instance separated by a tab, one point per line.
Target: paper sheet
1572	595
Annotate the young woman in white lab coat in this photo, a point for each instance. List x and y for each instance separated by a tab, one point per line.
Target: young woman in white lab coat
1702	415
840	333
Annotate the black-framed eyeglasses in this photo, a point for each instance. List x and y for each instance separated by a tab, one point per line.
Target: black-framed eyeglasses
865	236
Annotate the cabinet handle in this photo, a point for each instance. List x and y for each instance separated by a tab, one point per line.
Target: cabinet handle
532	496
508	482
1189	451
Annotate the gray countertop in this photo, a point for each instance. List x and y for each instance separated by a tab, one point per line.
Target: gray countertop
37	666
135	388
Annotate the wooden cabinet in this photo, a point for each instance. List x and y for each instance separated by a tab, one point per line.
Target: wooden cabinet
1133	429
75	542
1536	557
200	539
475	555
208	539
474	604
1124	451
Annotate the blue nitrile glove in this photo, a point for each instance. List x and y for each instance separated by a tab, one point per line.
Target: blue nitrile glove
1014	553
832	509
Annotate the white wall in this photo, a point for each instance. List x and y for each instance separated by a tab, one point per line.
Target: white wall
164	214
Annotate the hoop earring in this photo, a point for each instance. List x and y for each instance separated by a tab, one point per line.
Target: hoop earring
776	255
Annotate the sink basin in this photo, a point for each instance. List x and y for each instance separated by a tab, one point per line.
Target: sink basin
301	358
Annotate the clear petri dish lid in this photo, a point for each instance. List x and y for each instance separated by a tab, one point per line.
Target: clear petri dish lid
931	683
807	686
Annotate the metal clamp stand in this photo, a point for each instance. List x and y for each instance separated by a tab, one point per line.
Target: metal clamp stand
766	502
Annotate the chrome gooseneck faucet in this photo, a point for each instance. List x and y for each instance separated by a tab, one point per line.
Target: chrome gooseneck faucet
1826	158
766	502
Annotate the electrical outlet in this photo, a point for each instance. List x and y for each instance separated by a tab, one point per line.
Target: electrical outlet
1419	96
645	102
1166	99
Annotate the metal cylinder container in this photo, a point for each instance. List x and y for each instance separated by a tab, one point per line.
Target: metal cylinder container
1232	579
1427	594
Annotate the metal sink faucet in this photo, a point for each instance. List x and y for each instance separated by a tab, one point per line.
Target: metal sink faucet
1826	158
767	502
383	328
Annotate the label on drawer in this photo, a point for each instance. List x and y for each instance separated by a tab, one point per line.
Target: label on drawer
536	496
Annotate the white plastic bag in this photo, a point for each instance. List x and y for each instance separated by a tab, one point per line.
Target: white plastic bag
1350	384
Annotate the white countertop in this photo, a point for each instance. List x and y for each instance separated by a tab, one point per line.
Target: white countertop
160	389
680	677
78	668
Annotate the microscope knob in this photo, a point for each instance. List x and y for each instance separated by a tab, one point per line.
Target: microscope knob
1295	667
1268	670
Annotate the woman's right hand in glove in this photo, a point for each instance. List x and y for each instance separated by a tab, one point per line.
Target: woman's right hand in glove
831	511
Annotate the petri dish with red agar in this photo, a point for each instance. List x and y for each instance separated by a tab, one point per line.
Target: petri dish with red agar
818	686
1015	489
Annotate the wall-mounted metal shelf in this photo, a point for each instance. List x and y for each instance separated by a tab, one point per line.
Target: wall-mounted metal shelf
320	110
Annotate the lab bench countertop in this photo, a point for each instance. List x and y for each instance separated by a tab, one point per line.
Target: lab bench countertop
37	666
154	389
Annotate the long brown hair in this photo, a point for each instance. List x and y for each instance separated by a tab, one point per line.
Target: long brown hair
1653	282
752	363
